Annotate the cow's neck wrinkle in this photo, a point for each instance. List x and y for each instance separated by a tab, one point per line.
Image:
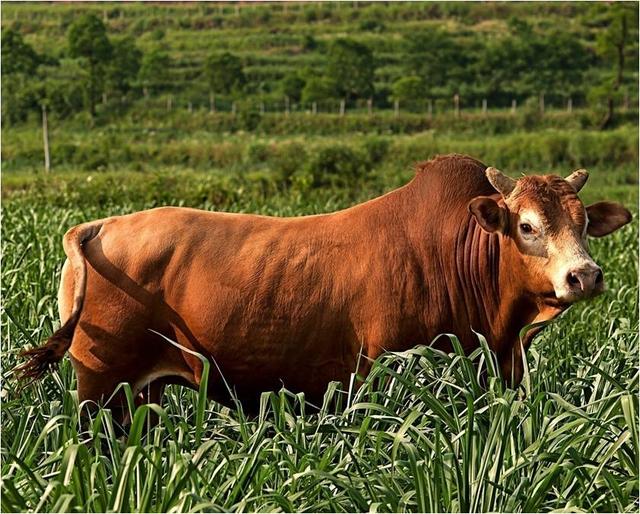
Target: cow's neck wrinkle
477	265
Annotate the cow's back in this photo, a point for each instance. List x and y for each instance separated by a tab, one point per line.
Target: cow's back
270	299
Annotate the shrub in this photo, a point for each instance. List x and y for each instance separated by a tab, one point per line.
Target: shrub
287	159
337	164
376	149
257	153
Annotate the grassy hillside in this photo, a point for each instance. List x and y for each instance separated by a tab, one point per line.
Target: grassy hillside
279	40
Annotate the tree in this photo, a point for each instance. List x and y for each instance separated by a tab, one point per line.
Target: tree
436	58
526	63
317	89
17	56
408	88
124	66
613	43
292	86
224	73
88	40
352	65
154	71
20	93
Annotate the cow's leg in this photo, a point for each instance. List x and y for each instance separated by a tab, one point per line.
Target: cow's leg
97	388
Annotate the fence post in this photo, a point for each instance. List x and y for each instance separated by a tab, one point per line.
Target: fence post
233	108
484	106
286	105
541	103
513	106
169	102
625	104
261	107
212	102
104	98
341	107
430	108
370	106
314	108
190	107
396	107
569	105
45	139
456	105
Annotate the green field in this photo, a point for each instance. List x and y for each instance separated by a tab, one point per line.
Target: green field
422	434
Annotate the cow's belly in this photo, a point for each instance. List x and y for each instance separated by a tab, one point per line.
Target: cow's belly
266	353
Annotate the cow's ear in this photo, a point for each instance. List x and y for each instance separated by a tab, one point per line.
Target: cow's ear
489	215
606	217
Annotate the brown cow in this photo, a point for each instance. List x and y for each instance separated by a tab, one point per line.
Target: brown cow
293	301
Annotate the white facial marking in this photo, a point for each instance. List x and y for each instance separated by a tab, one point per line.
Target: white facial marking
563	253
567	254
531	231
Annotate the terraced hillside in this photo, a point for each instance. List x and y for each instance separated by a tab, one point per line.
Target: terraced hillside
499	52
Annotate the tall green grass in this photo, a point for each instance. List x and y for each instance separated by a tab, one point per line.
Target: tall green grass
422	434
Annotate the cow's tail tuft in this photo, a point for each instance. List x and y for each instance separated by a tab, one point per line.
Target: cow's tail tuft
44	358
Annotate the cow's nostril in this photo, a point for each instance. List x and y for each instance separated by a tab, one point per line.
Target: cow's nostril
573	279
599	277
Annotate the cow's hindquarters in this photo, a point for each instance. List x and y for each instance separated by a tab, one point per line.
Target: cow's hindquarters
40	360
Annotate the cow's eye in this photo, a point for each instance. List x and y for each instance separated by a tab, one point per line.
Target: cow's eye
526	228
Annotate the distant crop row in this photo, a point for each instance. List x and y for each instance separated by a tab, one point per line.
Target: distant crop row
205	15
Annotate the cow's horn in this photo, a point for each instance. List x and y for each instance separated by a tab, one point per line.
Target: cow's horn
503	184
578	179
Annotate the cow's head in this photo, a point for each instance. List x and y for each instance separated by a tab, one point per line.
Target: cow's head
545	225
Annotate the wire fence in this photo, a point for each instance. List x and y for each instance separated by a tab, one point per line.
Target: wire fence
456	105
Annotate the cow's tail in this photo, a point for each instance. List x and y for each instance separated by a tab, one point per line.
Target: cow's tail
42	359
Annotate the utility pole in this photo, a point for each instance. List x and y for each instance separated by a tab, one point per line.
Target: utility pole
45	140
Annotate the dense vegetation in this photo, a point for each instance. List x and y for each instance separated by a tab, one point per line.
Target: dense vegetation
311	56
130	127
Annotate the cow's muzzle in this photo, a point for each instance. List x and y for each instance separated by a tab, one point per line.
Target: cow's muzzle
585	282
